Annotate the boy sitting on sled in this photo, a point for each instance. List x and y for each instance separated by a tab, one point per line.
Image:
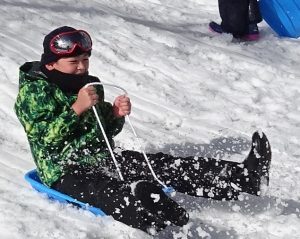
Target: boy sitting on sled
71	155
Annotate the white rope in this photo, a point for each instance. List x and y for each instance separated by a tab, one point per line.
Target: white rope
145	156
106	139
134	132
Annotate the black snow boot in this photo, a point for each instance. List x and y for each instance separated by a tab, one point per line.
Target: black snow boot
257	165
158	203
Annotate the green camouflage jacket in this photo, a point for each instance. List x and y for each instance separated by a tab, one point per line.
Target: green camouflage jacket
58	137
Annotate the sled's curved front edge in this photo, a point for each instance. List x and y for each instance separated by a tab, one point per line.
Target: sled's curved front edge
34	180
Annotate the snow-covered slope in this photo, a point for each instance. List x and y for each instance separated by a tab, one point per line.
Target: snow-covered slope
193	92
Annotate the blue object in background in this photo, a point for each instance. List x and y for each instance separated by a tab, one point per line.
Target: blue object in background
283	16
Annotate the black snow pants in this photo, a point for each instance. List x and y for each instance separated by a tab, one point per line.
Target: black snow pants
236	15
139	201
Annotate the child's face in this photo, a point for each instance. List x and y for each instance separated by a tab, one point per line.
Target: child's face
72	65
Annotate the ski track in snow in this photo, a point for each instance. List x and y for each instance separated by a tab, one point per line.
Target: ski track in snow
193	93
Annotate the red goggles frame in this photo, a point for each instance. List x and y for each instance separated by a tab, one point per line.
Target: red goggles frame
65	43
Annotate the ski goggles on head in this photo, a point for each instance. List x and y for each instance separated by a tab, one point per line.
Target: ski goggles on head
65	43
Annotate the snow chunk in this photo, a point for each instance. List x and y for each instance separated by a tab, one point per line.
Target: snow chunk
156	197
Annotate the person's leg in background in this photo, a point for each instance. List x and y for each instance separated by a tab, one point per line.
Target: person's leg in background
239	17
254	18
234	15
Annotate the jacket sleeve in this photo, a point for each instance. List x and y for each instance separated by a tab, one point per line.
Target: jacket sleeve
41	116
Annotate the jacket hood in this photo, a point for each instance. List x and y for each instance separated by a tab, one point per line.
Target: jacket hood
30	71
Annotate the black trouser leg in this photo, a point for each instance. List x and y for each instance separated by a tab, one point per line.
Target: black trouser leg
234	15
199	176
114	197
254	12
191	175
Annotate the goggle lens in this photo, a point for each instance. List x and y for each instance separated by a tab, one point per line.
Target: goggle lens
65	43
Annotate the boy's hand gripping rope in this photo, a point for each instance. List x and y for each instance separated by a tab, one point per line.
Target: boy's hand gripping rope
134	132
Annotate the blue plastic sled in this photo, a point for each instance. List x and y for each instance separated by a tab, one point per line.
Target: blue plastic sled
283	16
36	183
